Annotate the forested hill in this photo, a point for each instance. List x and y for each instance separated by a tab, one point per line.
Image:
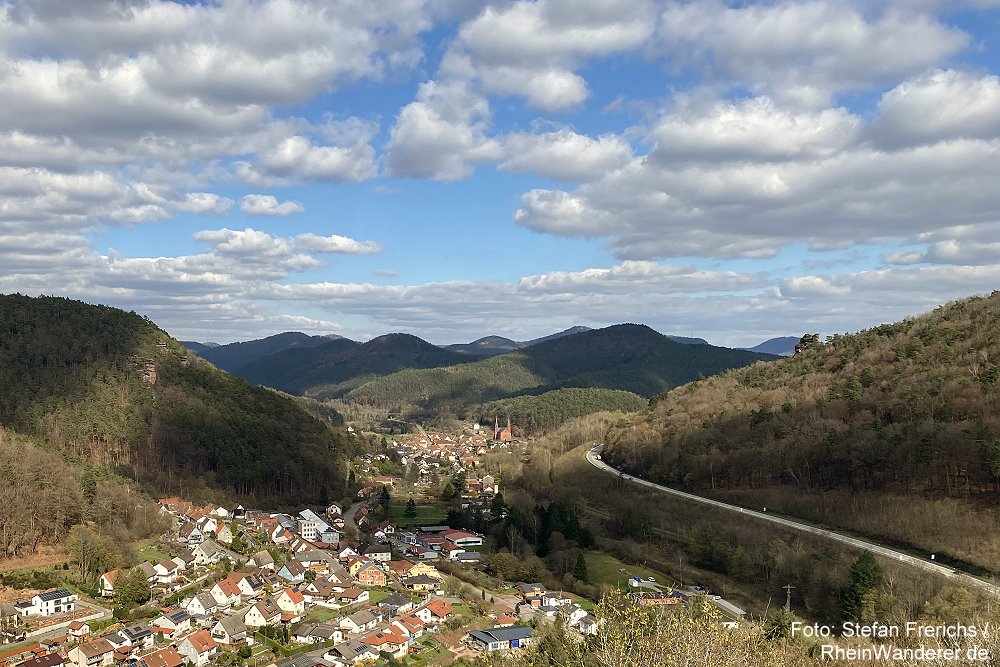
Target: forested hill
235	355
112	389
335	368
629	357
910	407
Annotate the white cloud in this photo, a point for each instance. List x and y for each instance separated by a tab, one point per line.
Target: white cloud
336	244
269	205
203	202
532	48
564	155
441	134
942	105
297	160
803	51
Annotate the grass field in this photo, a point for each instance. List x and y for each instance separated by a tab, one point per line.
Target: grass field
318	614
606	569
433	654
426	515
152	553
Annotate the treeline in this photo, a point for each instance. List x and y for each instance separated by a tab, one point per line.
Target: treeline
81	378
532	414
43	496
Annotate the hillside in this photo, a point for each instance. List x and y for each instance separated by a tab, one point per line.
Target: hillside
236	355
337	367
552	408
113	390
895	420
199	348
628	356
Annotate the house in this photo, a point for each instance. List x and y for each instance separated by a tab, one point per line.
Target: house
467	557
587	625
396	604
166	572
347	553
230	630
263	612
423	553
530	589
314	633
191	534
333	511
199	648
208	552
400	568
359	622
292	572
352	596
56	601
78	630
370	575
437	611
149	571
501	639
387	641
165	657
138	635
425	569
314	560
107	583
379	552
263	560
98	652
321	589
292	605
48	660
410	625
172	624
351	652
202	604
208	525
421	583
224	534
227	592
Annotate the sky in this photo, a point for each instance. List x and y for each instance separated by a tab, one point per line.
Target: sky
454	168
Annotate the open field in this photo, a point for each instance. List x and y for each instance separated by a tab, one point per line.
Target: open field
606	569
426	515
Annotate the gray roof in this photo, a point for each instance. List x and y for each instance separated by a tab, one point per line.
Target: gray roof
233	625
178	616
137	631
56	594
304	660
514	632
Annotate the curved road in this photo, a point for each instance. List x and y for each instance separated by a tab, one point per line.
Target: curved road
926	565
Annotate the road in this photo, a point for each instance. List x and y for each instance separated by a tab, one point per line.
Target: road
958	577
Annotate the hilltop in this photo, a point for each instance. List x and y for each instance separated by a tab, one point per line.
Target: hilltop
113	390
494	345
894	425
629	357
782	345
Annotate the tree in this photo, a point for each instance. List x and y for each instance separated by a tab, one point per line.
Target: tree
411	509
866	575
93	553
580	569
384	499
132	589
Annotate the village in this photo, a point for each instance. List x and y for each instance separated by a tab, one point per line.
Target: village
325	586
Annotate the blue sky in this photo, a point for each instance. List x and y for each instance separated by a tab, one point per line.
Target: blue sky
453	168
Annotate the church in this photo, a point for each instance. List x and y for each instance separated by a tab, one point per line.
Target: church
505	435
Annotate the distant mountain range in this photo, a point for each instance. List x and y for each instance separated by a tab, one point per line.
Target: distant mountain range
782	346
492	345
236	355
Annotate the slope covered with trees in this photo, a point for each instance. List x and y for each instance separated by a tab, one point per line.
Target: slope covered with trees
893	431
629	357
552	408
112	390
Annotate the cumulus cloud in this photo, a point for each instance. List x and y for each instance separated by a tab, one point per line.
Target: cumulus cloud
564	155
441	134
203	202
803	51
269	205
336	244
298	160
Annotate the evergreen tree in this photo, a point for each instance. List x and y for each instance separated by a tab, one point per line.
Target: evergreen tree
580	569
411	509
131	589
866	576
384	499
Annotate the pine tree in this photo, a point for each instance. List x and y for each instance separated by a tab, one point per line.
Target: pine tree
580	569
866	576
411	508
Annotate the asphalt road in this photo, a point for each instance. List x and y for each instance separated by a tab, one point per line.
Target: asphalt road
958	577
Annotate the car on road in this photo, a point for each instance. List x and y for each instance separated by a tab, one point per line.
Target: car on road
650	578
